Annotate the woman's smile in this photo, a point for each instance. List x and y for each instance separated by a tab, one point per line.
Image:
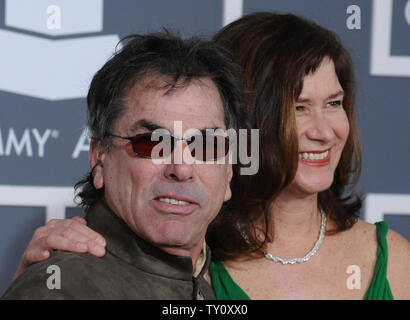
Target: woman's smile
315	157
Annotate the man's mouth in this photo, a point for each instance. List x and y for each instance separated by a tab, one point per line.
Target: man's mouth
173	201
174	204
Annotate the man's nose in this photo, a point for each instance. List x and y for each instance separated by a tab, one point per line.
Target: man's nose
320	128
180	169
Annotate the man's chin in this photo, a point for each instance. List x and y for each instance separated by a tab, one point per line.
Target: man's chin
176	247
173	238
175	235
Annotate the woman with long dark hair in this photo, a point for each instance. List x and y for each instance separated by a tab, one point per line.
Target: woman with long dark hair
297	218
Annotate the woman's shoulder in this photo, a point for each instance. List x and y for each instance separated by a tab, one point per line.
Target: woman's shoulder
398	266
363	233
365	229
362	237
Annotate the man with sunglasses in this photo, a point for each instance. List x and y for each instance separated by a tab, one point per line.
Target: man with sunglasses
153	215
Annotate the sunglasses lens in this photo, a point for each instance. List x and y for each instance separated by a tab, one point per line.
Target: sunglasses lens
142	145
202	147
221	147
209	147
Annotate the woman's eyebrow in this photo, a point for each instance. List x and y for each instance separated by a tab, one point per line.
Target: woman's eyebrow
331	96
335	95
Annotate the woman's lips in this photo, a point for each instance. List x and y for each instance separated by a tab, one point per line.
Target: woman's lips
315	158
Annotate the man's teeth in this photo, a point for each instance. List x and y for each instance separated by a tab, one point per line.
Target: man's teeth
173	201
313	156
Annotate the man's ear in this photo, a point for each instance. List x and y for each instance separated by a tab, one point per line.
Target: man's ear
228	192
97	155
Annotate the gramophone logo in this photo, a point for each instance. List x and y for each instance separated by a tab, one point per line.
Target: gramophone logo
57	58
49	49
382	63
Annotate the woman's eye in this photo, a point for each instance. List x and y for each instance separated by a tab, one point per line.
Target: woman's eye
300	108
335	104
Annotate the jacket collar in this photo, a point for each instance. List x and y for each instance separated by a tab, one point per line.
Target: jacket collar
127	246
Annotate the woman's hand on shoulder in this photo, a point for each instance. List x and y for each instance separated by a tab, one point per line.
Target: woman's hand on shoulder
61	234
398	267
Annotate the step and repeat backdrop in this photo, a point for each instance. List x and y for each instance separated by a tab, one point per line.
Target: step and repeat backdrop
50	49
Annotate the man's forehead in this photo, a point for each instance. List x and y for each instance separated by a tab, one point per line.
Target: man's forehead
196	104
157	84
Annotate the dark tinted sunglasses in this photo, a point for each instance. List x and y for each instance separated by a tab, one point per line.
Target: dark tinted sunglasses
204	147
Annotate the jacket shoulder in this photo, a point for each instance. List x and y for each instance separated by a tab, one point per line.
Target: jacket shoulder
65	275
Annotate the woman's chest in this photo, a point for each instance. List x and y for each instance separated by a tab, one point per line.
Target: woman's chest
333	275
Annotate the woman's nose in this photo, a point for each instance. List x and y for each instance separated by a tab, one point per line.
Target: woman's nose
320	128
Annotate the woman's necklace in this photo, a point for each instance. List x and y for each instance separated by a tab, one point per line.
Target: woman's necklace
309	254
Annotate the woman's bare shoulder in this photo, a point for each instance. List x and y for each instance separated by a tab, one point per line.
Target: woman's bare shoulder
398	266
362	233
363	236
365	229
363	241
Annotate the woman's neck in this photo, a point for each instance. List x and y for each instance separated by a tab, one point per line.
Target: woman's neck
295	223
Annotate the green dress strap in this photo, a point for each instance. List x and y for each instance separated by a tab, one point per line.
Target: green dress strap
379	288
226	289
224	286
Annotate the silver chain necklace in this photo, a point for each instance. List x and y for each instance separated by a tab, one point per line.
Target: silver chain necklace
309	254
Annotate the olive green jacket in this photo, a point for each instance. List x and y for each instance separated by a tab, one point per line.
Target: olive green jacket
131	269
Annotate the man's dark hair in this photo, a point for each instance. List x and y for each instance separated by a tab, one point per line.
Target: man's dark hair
162	55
